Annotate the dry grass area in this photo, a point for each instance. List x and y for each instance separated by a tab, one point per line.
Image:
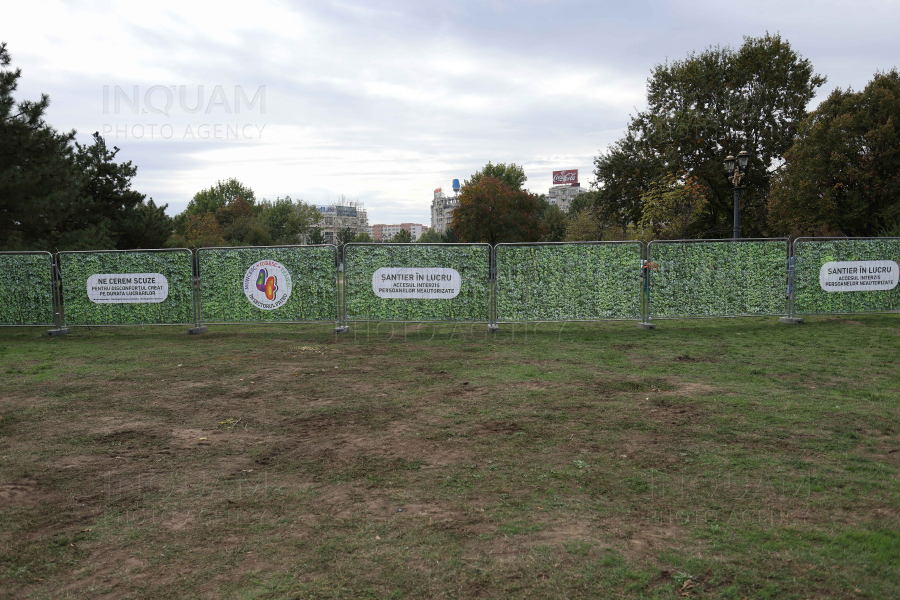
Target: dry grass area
731	459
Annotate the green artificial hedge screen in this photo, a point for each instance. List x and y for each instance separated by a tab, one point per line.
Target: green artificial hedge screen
303	284
470	261
718	278
90	273
26	288
568	281
811	255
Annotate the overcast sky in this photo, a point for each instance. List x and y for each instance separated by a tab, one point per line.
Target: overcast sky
383	102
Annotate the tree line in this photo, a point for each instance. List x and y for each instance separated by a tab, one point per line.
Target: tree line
834	171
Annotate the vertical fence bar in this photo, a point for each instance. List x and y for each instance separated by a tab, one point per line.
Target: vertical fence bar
493	327
340	282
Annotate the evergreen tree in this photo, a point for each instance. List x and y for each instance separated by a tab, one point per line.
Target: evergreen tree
37	181
56	195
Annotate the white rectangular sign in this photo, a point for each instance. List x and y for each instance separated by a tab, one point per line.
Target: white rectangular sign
127	288
416	283
859	276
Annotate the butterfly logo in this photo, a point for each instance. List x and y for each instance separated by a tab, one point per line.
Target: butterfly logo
267	284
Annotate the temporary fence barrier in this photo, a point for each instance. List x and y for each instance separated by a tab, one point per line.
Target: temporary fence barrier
717	278
417	282
127	287
451	282
845	275
26	288
268	284
568	281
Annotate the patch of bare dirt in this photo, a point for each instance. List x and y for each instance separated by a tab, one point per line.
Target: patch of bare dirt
21	492
687	358
667	411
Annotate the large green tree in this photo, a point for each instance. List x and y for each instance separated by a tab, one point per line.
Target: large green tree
108	213
36	178
512	174
491	211
701	109
842	175
225	214
554	223
220	195
56	194
288	221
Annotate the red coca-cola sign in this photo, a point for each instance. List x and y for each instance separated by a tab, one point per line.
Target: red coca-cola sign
569	177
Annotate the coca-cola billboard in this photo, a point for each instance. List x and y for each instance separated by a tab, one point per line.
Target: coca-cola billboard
568	177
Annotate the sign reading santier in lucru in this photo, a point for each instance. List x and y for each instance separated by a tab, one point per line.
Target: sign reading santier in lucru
127	288
859	276
267	284
412	283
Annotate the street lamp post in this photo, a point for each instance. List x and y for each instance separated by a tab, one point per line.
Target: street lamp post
736	170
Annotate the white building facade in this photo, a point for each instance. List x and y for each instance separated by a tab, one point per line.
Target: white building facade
385	233
562	195
342	214
442	207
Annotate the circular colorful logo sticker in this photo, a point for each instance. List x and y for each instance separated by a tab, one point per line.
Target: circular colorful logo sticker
267	284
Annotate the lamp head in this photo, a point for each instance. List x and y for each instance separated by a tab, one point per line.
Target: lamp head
742	158
729	164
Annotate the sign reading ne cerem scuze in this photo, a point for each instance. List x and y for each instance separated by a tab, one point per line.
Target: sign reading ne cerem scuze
267	284
859	276
127	288
416	283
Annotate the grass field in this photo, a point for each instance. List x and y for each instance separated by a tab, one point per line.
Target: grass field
734	458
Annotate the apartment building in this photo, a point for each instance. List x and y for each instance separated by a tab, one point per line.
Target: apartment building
442	207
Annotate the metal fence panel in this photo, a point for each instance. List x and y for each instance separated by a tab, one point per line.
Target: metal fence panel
26	288
850	288
127	287
268	284
399	282
577	281
718	278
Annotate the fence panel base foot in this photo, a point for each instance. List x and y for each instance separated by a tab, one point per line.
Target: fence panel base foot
790	320
60	331
342	329
493	328
196	330
647	325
